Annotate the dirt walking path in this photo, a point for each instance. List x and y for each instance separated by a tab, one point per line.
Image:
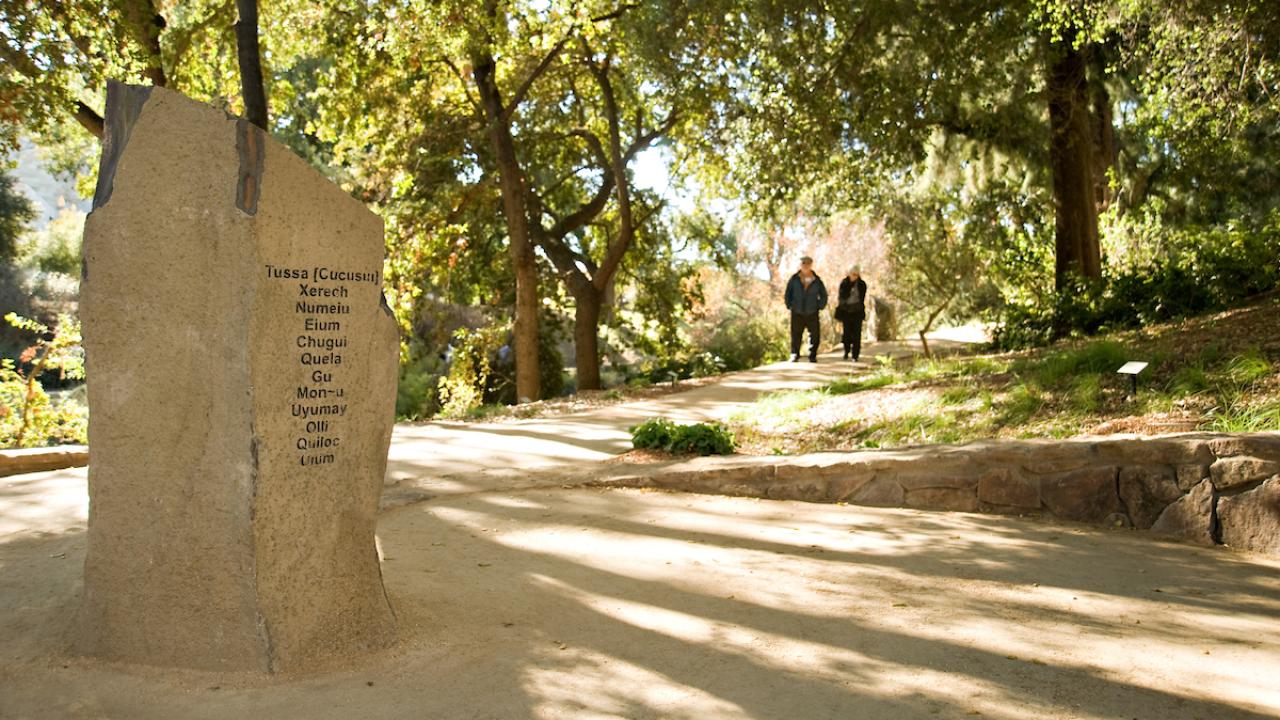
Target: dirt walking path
558	603
442	448
574	604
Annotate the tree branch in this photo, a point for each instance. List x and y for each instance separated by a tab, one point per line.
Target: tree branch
90	120
522	91
643	141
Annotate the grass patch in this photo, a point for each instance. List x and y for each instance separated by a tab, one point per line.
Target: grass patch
778	408
916	429
870	382
958	395
1055	368
1225	386
1242	417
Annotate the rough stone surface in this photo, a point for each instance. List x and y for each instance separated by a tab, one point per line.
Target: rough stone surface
1147	491
842	488
1135	450
244	373
1088	495
1189	476
1257	444
942	498
941	478
1190	517
1251	520
1233	472
881	492
1004	489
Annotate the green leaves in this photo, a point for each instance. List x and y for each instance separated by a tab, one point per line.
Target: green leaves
694	439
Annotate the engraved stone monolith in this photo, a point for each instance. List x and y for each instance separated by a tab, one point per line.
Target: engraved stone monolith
242	369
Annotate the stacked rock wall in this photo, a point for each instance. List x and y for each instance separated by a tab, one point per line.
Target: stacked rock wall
1201	487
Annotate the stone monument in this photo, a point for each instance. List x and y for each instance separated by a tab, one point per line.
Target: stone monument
243	370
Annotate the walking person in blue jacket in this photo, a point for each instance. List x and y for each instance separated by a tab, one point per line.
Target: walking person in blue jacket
806	296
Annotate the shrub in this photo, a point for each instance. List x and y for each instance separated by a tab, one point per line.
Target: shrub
741	342
28	417
653	434
482	369
56	248
1207	270
418	393
681	366
697	438
463	388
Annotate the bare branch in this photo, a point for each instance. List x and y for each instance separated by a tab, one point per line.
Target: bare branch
615	14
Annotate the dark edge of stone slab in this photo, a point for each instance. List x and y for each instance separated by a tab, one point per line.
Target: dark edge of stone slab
251	147
124	106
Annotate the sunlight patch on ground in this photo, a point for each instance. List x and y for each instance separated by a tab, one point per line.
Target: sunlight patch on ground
43	502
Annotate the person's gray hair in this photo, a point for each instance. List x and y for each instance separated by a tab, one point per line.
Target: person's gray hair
806	260
855	270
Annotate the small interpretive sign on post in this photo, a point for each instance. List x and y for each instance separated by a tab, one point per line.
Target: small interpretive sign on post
1132	369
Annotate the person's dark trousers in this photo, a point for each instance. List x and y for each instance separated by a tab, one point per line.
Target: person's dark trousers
800	323
852	337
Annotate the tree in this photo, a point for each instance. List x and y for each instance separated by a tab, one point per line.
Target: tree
1072	152
855	96
16	212
939	257
60	54
528	113
252	89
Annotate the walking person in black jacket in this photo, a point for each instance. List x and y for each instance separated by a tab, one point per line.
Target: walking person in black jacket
805	297
851	310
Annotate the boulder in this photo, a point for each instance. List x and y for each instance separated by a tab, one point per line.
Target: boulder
1189	518
1005	489
1251	520
1241	471
1088	495
1147	491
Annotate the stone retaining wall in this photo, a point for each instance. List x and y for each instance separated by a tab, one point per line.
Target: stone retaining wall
1201	487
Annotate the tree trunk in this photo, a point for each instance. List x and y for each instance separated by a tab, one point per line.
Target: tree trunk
928	325
251	87
523	260
1106	150
1071	158
586	339
146	24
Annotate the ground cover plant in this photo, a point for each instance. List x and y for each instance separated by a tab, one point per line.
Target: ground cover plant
1219	372
691	439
